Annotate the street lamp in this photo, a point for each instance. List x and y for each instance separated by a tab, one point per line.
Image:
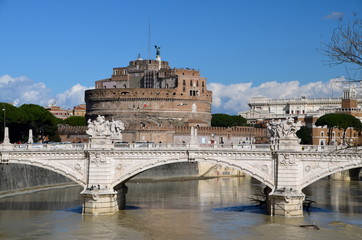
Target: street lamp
4	117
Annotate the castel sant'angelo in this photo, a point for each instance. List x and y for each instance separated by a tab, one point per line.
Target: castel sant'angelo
157	103
150	93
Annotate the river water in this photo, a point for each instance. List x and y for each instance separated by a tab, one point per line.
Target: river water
199	209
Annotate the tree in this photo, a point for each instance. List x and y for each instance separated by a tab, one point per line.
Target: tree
329	120
15	120
340	121
76	121
305	135
345	46
41	121
225	120
346	121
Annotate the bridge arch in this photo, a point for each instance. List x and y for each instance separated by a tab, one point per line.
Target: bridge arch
261	175
317	175
61	169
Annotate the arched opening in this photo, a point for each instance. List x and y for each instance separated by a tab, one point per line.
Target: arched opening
171	183
23	177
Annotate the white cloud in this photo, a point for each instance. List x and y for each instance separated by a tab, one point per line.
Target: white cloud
71	97
233	98
333	16
22	90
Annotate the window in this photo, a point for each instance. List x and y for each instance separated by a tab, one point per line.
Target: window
193	93
184	83
191	83
322	134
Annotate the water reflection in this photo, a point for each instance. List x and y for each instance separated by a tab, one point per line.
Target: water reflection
207	209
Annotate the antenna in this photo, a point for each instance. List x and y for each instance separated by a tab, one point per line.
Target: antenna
149	37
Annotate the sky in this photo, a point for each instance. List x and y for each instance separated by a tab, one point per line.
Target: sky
52	51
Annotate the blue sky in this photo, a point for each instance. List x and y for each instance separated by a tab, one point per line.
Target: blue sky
56	49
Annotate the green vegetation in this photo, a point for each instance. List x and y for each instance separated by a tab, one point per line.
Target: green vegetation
76	121
340	121
225	120
305	135
28	116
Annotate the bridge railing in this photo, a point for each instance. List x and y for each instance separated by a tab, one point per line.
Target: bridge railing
322	148
48	146
241	147
246	147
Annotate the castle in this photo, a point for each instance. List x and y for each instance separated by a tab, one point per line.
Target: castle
149	93
160	104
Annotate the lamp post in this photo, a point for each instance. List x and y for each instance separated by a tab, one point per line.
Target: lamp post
4	118
4	109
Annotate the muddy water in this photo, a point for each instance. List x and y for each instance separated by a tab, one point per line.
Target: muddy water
199	209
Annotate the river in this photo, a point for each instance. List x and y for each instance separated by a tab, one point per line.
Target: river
217	208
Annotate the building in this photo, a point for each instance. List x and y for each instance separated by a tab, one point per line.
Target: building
149	93
161	104
308	110
262	108
349	105
79	110
58	112
62	113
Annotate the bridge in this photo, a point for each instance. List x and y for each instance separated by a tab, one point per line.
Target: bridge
102	168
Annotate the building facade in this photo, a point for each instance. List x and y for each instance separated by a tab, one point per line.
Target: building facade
262	108
149	93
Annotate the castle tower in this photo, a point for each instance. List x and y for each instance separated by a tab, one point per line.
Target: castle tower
149	93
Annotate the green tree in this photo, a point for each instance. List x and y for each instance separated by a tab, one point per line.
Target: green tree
329	120
41	121
15	120
340	121
225	120
305	135
76	121
346	121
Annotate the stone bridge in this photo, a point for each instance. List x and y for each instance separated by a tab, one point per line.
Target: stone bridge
103	168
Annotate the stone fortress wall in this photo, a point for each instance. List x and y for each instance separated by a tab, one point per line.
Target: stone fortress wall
150	93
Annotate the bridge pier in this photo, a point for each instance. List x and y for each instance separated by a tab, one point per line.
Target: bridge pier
103	201
99	202
286	203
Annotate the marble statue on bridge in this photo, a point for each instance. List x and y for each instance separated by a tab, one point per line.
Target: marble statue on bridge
284	132
104	128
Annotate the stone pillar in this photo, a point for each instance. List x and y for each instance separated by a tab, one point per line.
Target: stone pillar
193	137
99	202
6	136
287	197
30	139
286	202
